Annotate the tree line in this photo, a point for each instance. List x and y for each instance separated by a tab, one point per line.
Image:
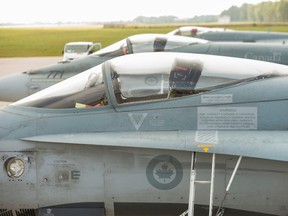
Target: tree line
266	11
262	12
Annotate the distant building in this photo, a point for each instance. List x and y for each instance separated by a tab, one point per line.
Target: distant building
224	19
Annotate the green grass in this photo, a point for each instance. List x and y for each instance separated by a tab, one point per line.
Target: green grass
33	42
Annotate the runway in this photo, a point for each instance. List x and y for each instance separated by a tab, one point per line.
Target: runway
10	66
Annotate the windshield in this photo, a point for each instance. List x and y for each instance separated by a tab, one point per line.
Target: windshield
150	76
146	43
83	90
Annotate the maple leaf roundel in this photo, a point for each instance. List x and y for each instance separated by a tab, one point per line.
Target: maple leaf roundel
164	172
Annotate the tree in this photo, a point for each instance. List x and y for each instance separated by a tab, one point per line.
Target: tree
282	8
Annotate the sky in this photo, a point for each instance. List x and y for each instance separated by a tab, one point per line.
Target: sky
54	11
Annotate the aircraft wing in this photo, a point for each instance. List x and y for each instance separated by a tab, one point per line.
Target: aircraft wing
258	144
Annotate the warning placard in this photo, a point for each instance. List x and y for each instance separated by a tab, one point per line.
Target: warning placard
232	118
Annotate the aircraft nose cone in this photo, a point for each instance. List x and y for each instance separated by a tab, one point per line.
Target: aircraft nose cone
14	87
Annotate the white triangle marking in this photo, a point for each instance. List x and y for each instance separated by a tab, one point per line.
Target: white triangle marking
137	119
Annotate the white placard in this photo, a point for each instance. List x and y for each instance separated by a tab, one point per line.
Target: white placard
217	98
230	118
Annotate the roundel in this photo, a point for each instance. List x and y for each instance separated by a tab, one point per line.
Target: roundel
164	172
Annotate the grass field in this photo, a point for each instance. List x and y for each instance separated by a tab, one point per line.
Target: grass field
49	41
22	42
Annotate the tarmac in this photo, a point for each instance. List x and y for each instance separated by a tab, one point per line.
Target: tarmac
9	66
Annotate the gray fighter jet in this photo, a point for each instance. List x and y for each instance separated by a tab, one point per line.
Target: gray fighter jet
150	134
18	86
222	34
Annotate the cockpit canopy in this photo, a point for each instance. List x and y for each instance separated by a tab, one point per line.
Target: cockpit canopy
146	43
150	76
192	31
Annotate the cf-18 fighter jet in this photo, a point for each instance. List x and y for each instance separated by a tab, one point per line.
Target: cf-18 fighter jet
221	34
17	86
150	134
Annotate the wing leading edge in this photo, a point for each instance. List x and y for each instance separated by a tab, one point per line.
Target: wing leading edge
272	145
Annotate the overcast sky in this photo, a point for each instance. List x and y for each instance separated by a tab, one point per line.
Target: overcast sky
30	11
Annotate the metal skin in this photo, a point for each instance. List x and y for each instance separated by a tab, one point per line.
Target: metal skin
15	87
228	35
258	51
134	158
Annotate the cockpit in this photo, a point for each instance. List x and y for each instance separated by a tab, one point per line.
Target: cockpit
146	43
150	77
180	76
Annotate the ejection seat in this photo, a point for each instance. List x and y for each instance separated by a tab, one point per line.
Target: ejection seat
184	77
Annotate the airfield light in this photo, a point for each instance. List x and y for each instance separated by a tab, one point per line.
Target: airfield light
14	167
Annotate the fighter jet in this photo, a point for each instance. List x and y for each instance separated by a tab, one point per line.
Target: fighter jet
221	34
17	86
150	134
